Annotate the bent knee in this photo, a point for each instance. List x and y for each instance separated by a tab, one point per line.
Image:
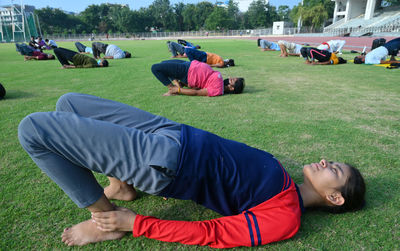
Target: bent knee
28	127
155	68
64	101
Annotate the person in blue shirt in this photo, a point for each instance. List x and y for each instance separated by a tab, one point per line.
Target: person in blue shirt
267	45
83	49
259	201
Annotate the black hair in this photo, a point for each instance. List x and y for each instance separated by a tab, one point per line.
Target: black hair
358	60
231	62
105	63
238	87
342	60
2	91
353	193
46	40
127	54
198	47
258	41
226	81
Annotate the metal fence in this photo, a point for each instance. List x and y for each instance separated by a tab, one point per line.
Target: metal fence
179	34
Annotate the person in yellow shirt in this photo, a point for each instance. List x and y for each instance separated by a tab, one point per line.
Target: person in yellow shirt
209	58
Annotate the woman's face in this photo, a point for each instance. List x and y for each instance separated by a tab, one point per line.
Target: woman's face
326	177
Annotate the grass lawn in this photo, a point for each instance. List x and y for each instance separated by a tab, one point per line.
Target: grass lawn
299	113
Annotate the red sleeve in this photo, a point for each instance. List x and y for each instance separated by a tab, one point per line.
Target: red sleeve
274	220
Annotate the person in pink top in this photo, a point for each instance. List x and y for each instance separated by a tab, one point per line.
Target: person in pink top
37	55
199	77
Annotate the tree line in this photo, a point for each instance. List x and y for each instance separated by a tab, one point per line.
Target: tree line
162	16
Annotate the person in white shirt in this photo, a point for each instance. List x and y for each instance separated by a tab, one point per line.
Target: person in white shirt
110	51
51	43
289	48
378	55
333	46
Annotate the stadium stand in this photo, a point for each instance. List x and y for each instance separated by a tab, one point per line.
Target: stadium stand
383	21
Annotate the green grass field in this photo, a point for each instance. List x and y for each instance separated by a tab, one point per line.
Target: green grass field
299	113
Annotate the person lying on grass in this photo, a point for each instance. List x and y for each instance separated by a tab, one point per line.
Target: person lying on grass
289	48
37	55
324	57
199	77
209	58
79	60
267	45
110	51
258	200
30	53
83	49
378	55
334	46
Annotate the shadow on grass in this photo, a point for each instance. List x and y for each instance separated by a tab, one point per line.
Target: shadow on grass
11	94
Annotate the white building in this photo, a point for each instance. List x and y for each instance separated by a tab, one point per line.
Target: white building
349	9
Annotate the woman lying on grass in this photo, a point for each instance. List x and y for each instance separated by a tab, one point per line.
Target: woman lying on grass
201	79
323	57
259	201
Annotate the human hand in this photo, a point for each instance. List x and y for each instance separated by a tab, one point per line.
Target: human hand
174	90
122	219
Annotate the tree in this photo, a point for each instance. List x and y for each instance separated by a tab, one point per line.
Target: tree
179	20
202	11
218	19
261	14
313	13
162	14
283	12
120	18
56	21
93	15
189	17
233	13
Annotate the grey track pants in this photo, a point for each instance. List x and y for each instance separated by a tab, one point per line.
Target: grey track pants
87	133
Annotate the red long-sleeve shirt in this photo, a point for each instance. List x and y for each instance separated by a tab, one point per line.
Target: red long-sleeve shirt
273	220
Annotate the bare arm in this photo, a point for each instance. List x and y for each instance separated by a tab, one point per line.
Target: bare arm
257	226
190	92
220	65
108	57
389	61
68	66
321	63
31	57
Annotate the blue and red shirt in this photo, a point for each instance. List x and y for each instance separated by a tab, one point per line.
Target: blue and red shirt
250	187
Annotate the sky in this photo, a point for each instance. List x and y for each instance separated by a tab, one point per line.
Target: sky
80	5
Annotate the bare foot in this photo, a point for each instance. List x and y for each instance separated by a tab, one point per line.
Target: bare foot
87	232
122	192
